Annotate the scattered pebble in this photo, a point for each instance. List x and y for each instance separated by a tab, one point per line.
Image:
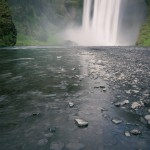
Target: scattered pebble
99	62
81	123
96	87
104	90
118	104
102	86
147	117
136	105
75	146
135	91
52	130
127	133
128	92
71	104
73	69
135	132
116	121
35	114
103	109
59	57
57	146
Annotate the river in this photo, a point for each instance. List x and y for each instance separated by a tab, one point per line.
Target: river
37	84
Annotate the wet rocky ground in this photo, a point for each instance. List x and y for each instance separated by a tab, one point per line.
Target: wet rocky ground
55	98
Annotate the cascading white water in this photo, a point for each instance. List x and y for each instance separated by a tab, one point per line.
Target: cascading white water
108	23
100	22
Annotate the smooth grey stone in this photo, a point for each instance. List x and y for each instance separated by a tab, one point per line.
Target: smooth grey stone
81	123
135	132
118	104
116	121
127	133
135	105
102	86
147	117
71	104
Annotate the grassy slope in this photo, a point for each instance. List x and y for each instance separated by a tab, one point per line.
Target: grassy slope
38	22
144	37
7	29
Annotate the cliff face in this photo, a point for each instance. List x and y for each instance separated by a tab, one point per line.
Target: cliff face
38	22
8	31
144	37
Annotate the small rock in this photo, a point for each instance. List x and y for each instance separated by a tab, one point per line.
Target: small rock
81	123
135	105
104	90
118	104
59	57
75	84
35	114
57	146
99	62
103	109
121	76
52	130
102	86
135	91
96	87
147	117
149	110
116	121
125	102
42	142
73	69
128	92
135	132
75	146
71	104
127	133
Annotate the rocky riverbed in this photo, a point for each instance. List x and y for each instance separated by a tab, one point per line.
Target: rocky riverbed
56	98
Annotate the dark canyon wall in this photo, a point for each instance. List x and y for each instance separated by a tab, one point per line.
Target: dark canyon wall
144	37
39	22
8	31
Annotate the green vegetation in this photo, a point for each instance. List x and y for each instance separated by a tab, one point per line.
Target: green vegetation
7	29
38	22
144	37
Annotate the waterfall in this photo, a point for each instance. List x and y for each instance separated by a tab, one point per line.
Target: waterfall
108	23
100	21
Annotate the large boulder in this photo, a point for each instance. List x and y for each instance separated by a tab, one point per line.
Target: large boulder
8	31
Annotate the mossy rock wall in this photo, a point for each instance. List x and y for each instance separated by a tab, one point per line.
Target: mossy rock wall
144	37
8	31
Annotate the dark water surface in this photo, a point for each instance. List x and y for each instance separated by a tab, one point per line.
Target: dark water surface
37	83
